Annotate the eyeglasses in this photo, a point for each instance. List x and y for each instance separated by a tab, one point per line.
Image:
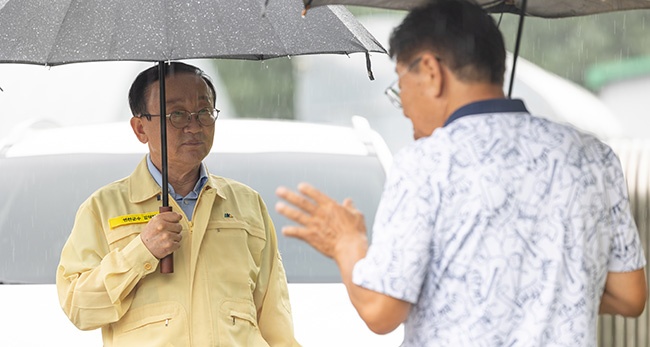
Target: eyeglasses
393	91
180	119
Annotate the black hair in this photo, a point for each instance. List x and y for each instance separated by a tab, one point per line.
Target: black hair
463	35
149	76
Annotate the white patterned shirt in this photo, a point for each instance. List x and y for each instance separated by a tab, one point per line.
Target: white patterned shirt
500	229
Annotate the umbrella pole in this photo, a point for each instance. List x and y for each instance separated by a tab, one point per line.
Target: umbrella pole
166	263
520	30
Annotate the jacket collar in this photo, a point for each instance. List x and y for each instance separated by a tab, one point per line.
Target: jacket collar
142	185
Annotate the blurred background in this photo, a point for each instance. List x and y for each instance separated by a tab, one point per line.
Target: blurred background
591	71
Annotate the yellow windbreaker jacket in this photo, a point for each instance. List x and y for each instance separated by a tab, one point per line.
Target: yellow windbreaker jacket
228	287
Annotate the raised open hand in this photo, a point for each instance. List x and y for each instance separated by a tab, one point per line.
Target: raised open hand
324	224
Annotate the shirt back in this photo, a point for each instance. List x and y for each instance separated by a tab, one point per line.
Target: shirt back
500	229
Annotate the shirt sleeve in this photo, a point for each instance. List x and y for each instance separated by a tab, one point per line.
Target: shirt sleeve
272	293
95	284
398	257
626	253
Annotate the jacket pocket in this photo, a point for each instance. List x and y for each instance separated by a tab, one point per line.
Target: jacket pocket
238	324
119	237
237	232
160	324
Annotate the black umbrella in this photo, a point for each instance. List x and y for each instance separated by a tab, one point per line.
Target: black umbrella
55	32
58	32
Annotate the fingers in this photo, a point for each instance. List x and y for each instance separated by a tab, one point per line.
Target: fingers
173	236
170	217
324	224
296	199
170	221
292	213
308	205
293	231
300	215
314	194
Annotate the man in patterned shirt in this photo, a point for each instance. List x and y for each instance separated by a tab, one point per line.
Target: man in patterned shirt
496	228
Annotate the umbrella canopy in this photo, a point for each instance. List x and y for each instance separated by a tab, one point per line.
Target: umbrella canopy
56	32
537	8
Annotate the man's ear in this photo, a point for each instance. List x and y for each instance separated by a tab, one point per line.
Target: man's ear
138	129
434	71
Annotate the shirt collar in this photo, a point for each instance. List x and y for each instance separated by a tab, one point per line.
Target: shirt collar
488	107
157	176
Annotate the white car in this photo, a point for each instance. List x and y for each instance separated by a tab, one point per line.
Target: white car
45	174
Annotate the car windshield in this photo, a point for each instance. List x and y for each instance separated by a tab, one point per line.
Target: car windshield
41	195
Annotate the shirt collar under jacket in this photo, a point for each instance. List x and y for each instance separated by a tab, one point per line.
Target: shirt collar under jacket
194	194
491	106
143	186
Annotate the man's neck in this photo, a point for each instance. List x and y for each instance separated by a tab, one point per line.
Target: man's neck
183	181
470	93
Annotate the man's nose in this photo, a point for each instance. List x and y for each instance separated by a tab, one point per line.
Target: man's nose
194	126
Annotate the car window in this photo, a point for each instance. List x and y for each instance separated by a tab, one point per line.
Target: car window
41	194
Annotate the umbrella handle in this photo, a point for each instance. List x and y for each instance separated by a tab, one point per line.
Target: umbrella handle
166	263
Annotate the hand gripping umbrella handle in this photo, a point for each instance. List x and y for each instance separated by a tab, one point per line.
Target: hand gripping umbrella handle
166	263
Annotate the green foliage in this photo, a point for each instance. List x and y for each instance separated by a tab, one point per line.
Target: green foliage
569	46
259	89
602	74
369	11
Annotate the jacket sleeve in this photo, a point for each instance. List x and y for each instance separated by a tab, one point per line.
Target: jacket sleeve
94	283
272	294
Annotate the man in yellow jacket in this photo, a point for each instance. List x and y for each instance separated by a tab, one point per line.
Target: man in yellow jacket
228	287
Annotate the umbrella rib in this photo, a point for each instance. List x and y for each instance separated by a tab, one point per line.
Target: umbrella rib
340	15
265	16
56	37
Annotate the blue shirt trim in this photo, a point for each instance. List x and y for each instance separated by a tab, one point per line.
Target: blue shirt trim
488	107
187	202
